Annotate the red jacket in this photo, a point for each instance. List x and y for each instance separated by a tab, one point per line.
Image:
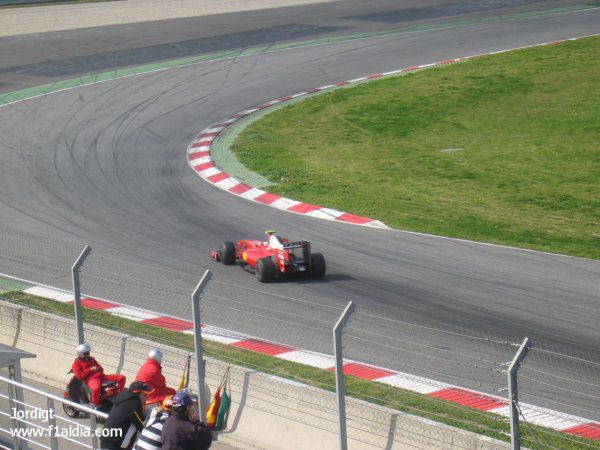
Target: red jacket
83	369
151	373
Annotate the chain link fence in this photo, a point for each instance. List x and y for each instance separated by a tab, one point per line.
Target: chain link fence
145	284
279	398
424	362
557	391
561	380
396	363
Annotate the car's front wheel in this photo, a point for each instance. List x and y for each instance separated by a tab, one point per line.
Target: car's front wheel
265	270
227	251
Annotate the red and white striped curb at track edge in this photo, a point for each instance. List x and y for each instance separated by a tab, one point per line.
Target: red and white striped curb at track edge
200	160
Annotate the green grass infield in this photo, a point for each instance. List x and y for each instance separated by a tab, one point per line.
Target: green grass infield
501	149
458	416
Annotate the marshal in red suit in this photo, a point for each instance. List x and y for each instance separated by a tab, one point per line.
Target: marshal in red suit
87	369
151	374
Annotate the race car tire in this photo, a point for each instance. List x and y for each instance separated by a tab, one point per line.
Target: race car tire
227	251
317	263
265	270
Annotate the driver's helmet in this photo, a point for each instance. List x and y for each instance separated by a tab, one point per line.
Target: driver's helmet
82	349
273	240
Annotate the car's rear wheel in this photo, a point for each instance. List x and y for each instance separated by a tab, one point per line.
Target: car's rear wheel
227	251
265	270
317	263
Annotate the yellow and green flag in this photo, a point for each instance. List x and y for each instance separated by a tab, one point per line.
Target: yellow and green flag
213	410
223	411
218	410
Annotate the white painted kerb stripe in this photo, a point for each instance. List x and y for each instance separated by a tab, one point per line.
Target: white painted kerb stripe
54	294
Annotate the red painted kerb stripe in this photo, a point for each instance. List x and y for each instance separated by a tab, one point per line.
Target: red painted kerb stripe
240	188
204	166
352	218
586	430
267	198
169	323
218	177
467	398
201	144
266	348
92	303
303	208
363	371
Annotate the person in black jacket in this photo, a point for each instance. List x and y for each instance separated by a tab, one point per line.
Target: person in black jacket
183	430
126	417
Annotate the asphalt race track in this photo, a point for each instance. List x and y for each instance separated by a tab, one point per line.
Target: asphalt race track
105	164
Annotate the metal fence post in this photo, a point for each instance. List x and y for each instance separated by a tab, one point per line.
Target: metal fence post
14	422
94	427
52	424
339	373
77	292
513	393
15	402
198	342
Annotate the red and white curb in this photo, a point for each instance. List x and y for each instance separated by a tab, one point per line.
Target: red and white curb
200	160
533	414
199	152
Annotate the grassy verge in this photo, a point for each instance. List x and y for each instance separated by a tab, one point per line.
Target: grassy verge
500	149
399	399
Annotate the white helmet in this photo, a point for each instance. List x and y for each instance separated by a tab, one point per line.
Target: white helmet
156	355
83	348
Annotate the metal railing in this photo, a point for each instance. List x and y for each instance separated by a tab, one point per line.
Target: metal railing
39	424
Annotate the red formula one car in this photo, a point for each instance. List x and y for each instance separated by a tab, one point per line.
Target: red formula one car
274	258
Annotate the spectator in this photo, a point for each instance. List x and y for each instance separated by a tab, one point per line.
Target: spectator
126	418
149	438
87	370
183	430
151	373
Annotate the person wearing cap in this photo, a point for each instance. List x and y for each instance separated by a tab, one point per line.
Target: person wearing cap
151	373
126	418
183	430
149	438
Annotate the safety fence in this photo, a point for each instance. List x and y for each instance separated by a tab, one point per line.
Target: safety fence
292	409
402	364
33	418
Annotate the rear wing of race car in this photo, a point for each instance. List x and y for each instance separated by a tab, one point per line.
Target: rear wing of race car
298	244
305	260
